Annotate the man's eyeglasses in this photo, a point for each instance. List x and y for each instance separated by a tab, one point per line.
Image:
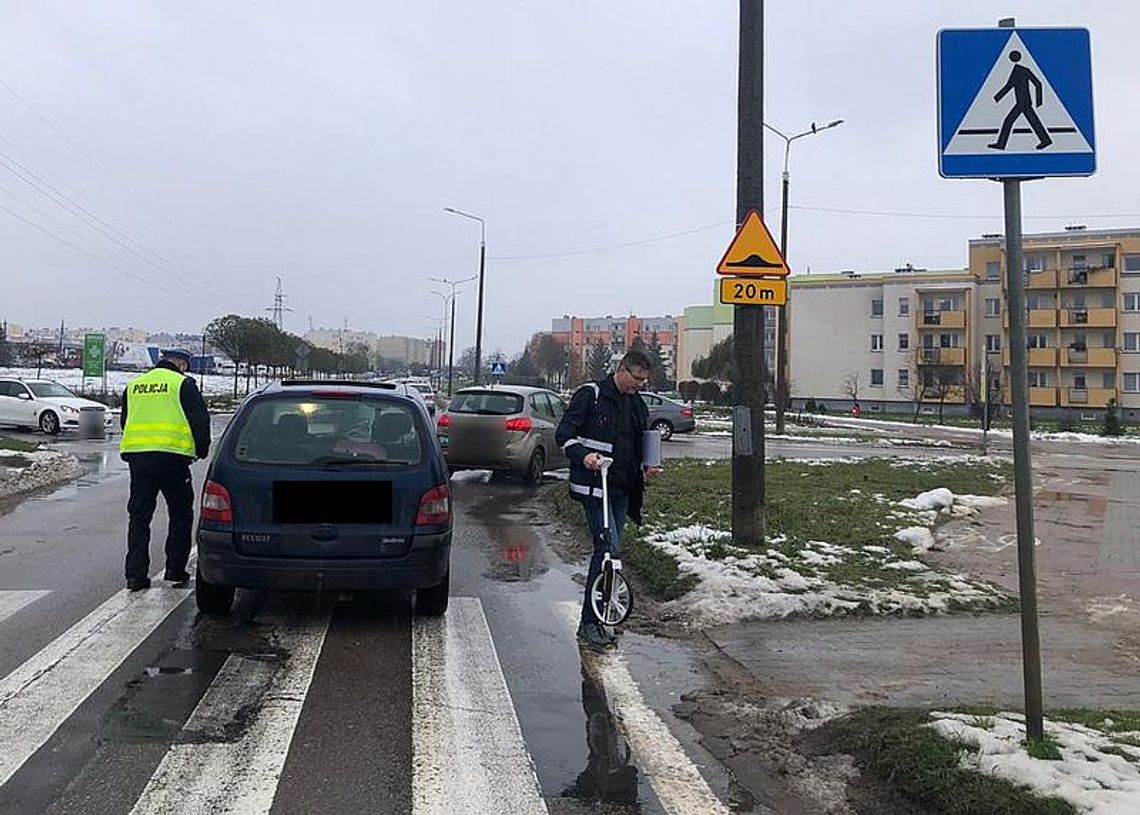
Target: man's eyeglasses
640	379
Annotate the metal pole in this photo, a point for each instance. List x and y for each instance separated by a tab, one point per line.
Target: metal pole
451	346
782	311
479	319
748	499
1022	467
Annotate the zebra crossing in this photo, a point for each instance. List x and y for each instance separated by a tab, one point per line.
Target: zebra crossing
468	750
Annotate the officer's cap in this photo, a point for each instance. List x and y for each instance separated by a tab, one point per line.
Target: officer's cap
178	353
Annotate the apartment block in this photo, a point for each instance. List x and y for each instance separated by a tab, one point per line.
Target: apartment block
617	333
894	337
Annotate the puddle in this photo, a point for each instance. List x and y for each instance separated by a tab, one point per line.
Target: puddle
610	775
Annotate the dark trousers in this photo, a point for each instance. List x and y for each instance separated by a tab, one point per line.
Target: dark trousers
151	474
619	505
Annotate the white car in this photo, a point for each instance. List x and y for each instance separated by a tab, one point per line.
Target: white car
423	387
44	404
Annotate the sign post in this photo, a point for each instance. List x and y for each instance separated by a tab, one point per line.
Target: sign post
94	358
1017	104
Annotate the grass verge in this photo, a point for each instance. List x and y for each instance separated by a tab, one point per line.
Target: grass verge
16	445
898	749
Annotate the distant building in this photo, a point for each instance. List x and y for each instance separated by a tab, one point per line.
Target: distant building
578	334
410	350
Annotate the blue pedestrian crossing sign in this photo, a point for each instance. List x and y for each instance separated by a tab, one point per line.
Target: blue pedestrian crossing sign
498	368
1015	103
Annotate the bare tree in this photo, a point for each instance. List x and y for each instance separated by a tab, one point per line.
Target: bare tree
850	386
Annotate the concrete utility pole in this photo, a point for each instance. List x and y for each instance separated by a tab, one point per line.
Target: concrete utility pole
748	489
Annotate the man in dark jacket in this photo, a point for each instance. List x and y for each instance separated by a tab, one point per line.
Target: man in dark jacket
606	419
166	425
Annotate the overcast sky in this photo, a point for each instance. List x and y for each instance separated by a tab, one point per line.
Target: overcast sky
162	163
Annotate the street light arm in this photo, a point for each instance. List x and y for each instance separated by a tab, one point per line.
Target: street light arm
482	223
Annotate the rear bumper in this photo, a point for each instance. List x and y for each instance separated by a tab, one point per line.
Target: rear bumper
514	458
424	566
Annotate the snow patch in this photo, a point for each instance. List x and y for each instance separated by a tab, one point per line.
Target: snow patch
919	538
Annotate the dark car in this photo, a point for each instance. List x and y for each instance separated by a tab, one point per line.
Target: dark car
326	486
506	428
668	416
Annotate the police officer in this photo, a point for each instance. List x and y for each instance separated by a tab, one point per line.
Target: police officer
166	425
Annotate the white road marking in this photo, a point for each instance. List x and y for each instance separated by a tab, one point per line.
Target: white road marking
208	769
468	755
13	601
37	697
679	785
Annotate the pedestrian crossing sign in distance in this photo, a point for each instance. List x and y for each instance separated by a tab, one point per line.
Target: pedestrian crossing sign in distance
1015	103
752	252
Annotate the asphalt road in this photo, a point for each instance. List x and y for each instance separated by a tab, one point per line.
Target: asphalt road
113	702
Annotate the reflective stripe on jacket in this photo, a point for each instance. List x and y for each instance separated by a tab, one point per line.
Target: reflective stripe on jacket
156	422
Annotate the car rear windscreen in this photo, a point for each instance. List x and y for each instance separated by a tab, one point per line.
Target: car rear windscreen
487	403
304	430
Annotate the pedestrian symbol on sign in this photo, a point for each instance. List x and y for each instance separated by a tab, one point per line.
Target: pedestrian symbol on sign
498	368
1020	78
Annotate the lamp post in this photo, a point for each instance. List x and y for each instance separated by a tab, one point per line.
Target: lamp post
435	357
482	266
783	335
451	340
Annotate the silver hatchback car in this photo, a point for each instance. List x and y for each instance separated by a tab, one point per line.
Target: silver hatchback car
505	428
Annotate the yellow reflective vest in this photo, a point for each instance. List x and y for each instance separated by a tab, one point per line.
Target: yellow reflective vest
156	422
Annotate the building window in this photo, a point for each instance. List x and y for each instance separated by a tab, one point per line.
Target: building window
1038	379
1108	339
876	377
1038	340
876	342
1108	380
1033	302
993	343
1107	300
1132	383
993	270
1108	260
1132	341
948	341
1132	264
993	307
1034	263
904	306
904	341
1080	382
877	307
1080	262
904	378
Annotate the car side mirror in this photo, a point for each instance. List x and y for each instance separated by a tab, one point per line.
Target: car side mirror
24	395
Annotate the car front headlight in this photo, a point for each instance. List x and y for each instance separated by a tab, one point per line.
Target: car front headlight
68	409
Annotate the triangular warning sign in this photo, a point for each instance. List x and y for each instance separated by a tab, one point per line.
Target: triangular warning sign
752	252
1016	111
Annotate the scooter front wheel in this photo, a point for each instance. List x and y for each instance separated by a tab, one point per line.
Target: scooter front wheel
616	608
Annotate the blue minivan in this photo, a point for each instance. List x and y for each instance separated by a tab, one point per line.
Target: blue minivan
326	486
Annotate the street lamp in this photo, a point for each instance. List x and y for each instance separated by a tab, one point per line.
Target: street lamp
782	346
451	341
482	265
435	357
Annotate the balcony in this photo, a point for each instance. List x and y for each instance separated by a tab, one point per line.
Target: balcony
1037	279
1038	318
1086	397
1078	317
1043	397
1089	278
1075	356
941	319
943	356
1038	357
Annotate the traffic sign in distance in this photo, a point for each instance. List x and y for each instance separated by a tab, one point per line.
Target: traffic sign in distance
752	252
1015	103
752	291
498	368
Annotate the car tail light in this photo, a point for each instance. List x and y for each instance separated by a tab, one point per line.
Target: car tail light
444	421
521	423
687	412
435	507
217	504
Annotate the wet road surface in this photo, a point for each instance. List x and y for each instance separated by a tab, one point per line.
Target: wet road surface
133	703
